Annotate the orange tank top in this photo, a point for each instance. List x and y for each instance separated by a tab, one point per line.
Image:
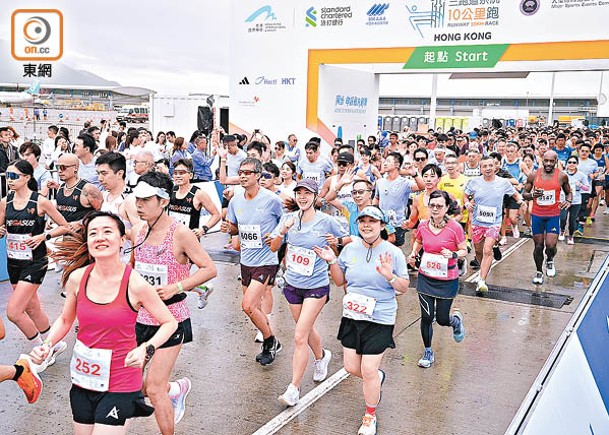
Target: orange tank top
422	207
549	203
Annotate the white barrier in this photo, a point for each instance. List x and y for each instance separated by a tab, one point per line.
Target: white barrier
571	393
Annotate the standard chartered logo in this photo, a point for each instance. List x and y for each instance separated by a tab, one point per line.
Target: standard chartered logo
311	18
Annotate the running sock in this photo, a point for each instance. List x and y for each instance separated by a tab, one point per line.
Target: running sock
323	353
36	339
46	331
18	372
371	409
454	322
428	349
174	389
269	340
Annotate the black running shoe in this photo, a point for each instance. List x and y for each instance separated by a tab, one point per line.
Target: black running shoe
497	255
474	264
270	348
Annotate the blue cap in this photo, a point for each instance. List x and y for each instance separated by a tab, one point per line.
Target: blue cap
373	212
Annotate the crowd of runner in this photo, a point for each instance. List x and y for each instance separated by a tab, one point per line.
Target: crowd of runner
116	211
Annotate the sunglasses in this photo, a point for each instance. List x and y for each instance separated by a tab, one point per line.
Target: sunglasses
64	167
13	175
343	164
436	206
572	162
267	175
360	192
420	159
246	172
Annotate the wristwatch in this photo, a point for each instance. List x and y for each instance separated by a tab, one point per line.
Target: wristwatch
150	349
205	229
48	236
455	255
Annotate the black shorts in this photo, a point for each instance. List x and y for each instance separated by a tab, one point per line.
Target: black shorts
28	271
510	203
367	338
258	273
112	409
182	335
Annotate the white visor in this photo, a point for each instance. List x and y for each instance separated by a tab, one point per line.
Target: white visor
145	190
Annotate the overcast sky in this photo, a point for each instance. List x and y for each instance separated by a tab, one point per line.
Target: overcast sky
172	47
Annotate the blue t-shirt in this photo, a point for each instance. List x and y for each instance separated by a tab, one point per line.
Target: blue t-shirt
393	198
255	218
316	170
563	154
311	234
351	212
488	199
362	277
588	167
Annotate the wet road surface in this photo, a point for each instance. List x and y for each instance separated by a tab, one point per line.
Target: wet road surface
474	387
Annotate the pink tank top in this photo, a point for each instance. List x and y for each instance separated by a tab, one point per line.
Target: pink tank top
110	326
164	268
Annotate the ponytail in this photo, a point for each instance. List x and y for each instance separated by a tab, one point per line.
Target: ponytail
72	250
32	184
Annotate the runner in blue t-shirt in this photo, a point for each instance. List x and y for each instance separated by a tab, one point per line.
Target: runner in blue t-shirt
253	215
307	287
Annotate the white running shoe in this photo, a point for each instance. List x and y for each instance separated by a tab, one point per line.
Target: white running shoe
481	287
503	241
427	359
550	268
515	232
606	211
57	350
561	236
368	426
290	397
570	241
204	291
179	401
259	337
538	278
320	367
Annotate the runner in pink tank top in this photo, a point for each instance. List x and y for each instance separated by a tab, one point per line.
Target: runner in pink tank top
106	366
159	266
164	251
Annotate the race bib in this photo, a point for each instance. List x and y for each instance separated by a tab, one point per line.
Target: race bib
90	368
180	217
358	307
250	236
155	274
486	214
434	265
16	247
300	260
312	175
548	198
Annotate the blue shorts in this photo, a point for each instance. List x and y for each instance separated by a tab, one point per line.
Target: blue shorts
545	224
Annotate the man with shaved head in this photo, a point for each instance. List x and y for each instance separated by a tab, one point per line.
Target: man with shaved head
543	187
76	196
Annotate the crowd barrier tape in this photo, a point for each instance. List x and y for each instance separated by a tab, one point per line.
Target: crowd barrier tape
571	393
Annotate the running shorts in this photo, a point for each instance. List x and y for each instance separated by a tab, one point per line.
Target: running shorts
545	224
296	296
367	338
258	273
479	233
28	271
112	409
182	335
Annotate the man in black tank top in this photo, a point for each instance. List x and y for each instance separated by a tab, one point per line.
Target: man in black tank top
76	196
187	200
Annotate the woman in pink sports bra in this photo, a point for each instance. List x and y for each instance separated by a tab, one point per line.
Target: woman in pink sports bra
164	251
105	295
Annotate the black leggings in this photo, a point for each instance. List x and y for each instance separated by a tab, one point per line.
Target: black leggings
572	213
431	306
